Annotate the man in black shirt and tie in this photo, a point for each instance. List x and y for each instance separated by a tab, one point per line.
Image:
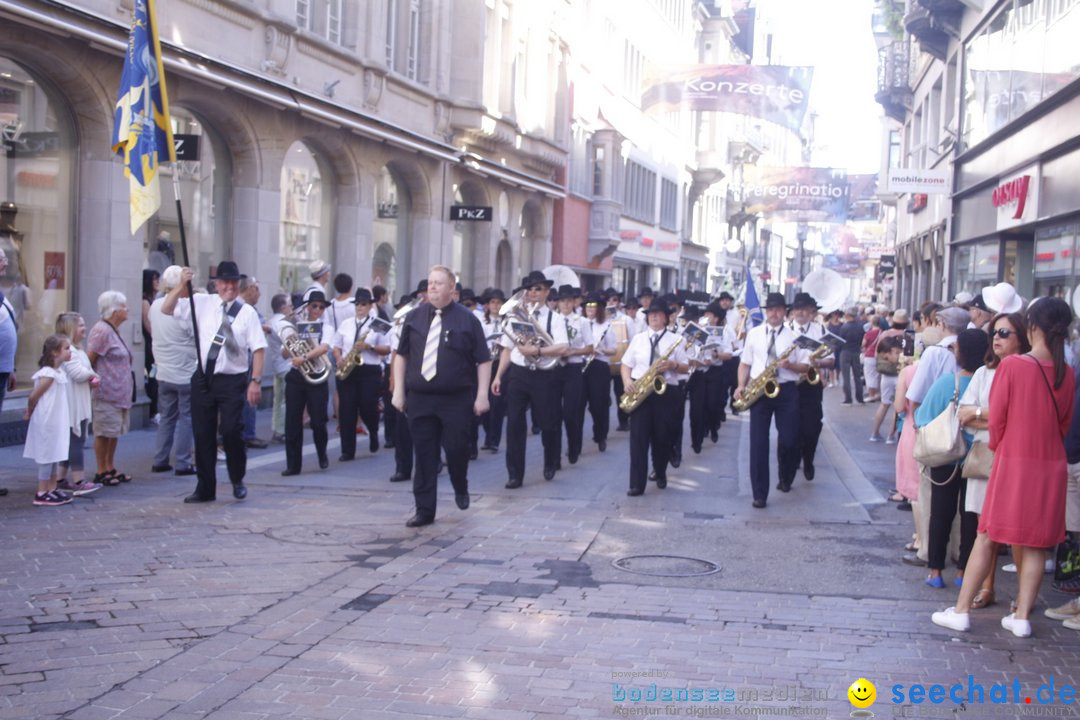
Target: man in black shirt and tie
441	373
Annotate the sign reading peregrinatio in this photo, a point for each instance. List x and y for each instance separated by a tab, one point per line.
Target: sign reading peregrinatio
776	93
926	182
799	194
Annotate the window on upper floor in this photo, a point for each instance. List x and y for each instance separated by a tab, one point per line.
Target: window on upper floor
639	193
324	18
580	179
405	34
633	69
669	204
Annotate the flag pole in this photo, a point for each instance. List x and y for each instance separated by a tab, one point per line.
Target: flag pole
187	263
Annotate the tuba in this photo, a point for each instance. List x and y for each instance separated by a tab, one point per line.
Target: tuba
513	311
314	371
404	310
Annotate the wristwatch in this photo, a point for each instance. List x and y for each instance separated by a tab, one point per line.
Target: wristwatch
978	412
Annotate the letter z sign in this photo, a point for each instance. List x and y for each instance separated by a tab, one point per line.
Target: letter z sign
470	213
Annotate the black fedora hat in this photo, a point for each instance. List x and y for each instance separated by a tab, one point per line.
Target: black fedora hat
228	270
775	300
315	296
726	296
536	278
596	297
716	309
569	292
646	292
493	294
363	295
804	300
658	306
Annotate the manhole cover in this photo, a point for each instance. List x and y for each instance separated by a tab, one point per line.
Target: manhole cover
666	565
323	534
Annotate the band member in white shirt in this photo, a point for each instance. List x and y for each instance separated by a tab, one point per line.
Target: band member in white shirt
722	354
597	370
492	421
803	310
651	422
701	389
764	345
227	330
579	337
301	394
359	391
528	385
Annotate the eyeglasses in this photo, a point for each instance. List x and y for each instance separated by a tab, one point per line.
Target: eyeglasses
1003	333
316	306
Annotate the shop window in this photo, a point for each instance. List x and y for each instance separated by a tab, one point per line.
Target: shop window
37	170
974	266
306	211
390	234
1055	253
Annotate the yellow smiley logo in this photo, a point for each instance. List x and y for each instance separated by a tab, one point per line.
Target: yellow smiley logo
862	693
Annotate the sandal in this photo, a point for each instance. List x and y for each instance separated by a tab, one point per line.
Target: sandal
121	477
896	497
911	547
107	478
983	598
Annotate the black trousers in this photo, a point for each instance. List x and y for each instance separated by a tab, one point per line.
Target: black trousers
731	381
810	416
678	417
496	414
785	409
220	401
300	394
403	446
439	421
945	501
618	389
390	413
697	392
598	398
716	392
530	388
851	365
358	395
650	429
573	407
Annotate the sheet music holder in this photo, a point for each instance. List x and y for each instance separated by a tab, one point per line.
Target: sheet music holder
379	326
695	334
523	331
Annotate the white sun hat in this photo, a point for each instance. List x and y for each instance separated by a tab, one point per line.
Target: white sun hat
1002	298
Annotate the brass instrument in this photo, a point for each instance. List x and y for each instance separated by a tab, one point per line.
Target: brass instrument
514	310
355	358
596	345
813	375
765	383
740	326
404	310
313	371
651	382
622	341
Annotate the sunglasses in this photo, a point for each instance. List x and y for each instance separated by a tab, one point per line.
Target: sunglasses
1003	333
316	306
537	288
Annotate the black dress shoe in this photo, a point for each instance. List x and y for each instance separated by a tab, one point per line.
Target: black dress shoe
904	505
462	500
573	458
197	498
3	492
715	435
808	470
346	458
419	520
676	460
783	486
289	471
634	492
388	445
160	468
602	445
623	427
513	483
239	491
535	429
474	454
183	472
324	462
549	473
255	443
661	482
696	449
488	446
400	477
374	446
759	503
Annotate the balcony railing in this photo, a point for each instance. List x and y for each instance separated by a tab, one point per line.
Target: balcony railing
893	79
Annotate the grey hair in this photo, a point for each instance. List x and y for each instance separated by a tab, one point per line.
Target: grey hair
170	278
109	302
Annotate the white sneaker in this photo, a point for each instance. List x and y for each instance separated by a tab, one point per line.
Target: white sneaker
953	620
1048	567
1068	611
1072	623
1019	628
891	440
875	438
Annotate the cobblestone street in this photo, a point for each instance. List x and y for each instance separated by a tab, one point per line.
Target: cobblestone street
312	600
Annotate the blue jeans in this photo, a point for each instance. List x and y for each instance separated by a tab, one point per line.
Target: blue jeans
174	403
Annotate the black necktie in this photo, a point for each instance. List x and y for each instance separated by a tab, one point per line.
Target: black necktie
655	345
772	344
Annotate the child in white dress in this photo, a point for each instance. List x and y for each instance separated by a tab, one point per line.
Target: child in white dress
49	415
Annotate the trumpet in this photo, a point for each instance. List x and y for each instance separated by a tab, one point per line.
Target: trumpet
764	384
740	326
313	371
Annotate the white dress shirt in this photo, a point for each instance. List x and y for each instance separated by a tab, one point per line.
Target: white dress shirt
246	328
756	351
347	334
935	361
638	356
578	334
557	332
603	340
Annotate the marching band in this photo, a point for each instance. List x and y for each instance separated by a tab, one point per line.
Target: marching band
554	356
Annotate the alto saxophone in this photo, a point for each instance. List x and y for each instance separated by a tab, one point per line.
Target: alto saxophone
764	384
813	375
651	382
355	358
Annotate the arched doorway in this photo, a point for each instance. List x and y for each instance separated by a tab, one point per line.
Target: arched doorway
307	201
504	266
465	250
390	232
531	238
37	171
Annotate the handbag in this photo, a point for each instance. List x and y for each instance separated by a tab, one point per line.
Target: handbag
979	460
1067	564
941	442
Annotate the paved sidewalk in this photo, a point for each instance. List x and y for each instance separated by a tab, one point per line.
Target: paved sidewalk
312	600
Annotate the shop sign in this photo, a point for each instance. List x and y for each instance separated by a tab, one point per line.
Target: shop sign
1017	198
927	182
471	213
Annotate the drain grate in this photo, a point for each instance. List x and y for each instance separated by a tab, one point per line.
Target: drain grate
337	535
666	565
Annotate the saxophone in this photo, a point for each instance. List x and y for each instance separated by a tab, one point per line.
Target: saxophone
651	382
813	375
764	384
313	371
355	358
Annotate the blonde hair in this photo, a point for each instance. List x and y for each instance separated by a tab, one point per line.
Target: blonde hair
446	271
67	323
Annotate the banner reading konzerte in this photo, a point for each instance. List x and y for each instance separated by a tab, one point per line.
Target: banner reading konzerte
777	93
799	194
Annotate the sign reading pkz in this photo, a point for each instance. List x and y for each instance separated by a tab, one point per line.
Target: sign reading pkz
471	213
187	146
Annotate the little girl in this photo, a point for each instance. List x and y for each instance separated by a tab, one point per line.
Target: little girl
47	410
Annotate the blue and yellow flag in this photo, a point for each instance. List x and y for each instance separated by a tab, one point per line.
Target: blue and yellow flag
142	132
753	305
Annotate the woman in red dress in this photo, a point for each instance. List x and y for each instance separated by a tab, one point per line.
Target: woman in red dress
1031	405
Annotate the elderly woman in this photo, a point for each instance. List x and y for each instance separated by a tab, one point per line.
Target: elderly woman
112	361
81	378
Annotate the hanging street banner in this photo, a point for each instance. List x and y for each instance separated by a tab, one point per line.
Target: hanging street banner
798	194
777	93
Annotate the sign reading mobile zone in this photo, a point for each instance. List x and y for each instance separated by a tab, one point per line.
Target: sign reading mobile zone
926	182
